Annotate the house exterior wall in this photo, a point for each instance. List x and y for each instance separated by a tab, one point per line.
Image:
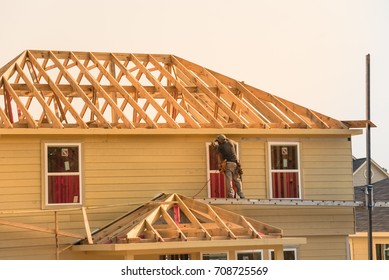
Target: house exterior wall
359	244
123	171
377	175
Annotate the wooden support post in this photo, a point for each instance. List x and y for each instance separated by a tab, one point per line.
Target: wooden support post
56	235
87	228
279	252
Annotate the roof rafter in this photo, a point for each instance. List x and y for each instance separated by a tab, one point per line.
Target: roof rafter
67	89
166	95
76	87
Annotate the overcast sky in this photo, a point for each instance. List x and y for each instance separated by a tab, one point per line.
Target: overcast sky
309	52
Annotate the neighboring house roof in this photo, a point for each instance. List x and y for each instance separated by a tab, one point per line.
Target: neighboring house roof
359	165
64	89
173	221
380	215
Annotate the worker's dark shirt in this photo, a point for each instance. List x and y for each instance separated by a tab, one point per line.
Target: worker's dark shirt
227	150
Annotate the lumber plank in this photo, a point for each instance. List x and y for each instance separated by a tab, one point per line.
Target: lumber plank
30	120
124	93
166	95
204	88
58	95
186	94
76	86
146	94
100	89
46	109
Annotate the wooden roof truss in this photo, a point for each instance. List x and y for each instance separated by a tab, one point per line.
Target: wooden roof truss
61	89
178	218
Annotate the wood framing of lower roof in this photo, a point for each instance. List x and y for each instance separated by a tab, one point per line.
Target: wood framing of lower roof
132	91
175	224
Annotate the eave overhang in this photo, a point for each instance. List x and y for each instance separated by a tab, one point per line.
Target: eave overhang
185	131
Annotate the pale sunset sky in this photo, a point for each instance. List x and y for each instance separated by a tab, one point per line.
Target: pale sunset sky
306	51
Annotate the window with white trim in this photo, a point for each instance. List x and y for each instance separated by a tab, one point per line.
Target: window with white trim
382	251
62	173
249	255
289	254
214	256
284	170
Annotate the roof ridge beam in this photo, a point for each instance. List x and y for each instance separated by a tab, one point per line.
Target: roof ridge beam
164	92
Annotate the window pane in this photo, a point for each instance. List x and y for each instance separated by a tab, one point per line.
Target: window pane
288	255
284	157
250	256
63	159
285	185
215	256
63	189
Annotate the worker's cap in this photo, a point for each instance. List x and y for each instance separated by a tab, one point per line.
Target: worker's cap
221	138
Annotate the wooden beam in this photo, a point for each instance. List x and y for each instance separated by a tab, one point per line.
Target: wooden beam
4	118
204	88
185	92
166	95
87	227
192	218
40	229
46	109
146	94
77	87
100	89
227	94
59	96
172	224
123	92
30	120
156	233
220	222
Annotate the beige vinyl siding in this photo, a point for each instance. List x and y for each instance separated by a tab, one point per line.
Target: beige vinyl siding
129	170
324	248
327	169
134	169
359	244
301	221
252	156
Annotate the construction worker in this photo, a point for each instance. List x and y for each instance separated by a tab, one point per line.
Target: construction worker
230	165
